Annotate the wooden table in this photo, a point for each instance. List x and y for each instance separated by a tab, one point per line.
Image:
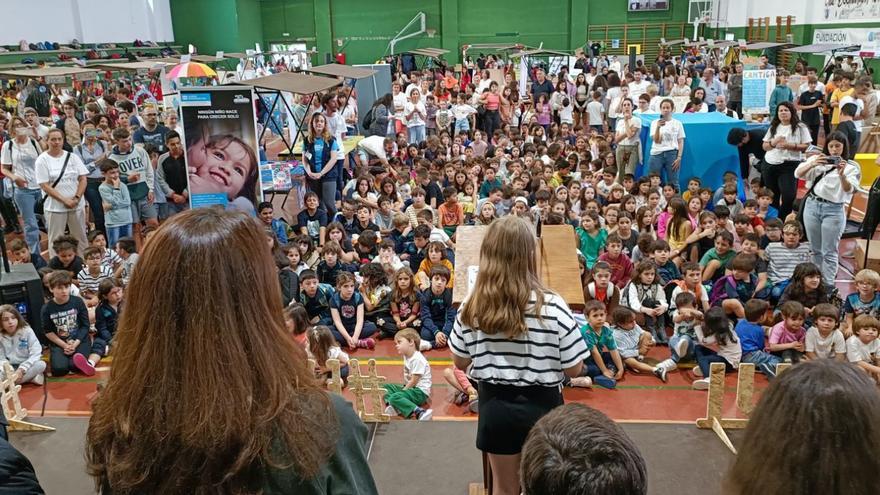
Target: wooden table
557	261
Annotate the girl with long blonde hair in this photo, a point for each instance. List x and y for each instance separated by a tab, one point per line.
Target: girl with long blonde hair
522	341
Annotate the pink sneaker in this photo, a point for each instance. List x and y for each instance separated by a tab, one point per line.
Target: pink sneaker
82	364
366	343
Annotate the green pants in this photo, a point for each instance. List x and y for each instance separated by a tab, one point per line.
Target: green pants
404	401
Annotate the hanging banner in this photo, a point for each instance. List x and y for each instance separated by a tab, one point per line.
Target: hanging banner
849	10
222	156
757	87
868	38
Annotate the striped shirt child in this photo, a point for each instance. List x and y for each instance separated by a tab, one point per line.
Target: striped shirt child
89	282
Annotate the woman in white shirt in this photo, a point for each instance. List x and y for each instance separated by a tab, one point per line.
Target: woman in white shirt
626	135
667	147
18	158
63	187
831	180
415	114
785	142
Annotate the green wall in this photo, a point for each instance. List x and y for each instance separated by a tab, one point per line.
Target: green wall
212	25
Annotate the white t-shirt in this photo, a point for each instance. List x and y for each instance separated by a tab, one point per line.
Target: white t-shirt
23	159
857	351
594	110
621	126
860	106
47	170
669	136
416	117
776	156
638	89
418	365
566	114
828	347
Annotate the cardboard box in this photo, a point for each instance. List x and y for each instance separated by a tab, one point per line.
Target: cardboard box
873	255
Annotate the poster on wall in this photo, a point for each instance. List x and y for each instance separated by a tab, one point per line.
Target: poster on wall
222	156
867	38
850	10
757	88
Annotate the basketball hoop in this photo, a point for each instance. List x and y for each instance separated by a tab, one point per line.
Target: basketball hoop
430	32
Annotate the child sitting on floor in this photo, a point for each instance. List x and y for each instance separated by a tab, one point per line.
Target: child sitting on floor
296	320
323	346
824	340
685	319
466	392
436	312
601	289
598	337
436	257
645	296
621	266
65	255
716	329
862	348
407	400
404	301
751	336
732	291
20	347
66	325
633	343
864	301
787	336
347	310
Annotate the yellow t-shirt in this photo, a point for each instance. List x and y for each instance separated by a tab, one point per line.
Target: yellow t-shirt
838	95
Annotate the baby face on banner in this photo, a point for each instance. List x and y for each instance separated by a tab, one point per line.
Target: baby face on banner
221	163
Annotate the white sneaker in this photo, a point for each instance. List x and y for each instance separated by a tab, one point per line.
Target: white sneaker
697	371
39	379
669	364
426	415
701	384
681	348
425	346
661	373
389	410
582	381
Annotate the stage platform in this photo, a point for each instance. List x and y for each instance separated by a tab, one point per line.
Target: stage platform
439	456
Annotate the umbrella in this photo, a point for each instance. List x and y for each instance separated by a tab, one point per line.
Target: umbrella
190	69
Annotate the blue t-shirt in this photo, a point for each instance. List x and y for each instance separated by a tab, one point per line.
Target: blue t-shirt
347	309
751	336
857	307
317	159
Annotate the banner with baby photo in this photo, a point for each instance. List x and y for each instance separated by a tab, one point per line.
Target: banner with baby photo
222	155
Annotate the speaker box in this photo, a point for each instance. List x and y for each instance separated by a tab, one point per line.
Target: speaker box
22	288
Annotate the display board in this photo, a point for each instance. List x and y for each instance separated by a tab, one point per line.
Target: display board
757	87
220	138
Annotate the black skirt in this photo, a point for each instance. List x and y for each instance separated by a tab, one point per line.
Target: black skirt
507	414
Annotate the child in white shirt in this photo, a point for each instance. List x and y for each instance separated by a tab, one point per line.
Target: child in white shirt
824	340
863	346
407	399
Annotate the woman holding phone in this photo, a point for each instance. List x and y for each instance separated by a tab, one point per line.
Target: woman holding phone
785	142
831	180
668	144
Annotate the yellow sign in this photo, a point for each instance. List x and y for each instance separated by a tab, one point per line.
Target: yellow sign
636	46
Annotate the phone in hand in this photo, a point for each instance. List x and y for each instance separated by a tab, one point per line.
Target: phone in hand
833	160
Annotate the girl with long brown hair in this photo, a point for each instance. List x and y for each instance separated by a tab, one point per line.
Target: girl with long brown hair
508	315
208	393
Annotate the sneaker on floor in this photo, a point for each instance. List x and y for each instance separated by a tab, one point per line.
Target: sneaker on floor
701	384
425	346
660	372
697	372
83	364
39	379
366	343
460	398
389	410
582	382
605	382
681	348
669	364
426	415
474	406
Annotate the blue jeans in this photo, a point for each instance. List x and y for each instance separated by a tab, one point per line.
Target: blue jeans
462	125
429	336
777	290
663	161
367	330
673	342
114	233
763	361
26	199
705	357
416	134
824	223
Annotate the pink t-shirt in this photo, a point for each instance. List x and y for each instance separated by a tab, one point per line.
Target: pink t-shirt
779	334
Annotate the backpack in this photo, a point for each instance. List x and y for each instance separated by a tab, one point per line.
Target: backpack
719	289
368	118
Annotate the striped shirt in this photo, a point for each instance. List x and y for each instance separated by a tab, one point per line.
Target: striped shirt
782	260
552	344
111	258
88	282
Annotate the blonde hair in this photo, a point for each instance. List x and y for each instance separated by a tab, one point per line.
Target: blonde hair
508	276
868	275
